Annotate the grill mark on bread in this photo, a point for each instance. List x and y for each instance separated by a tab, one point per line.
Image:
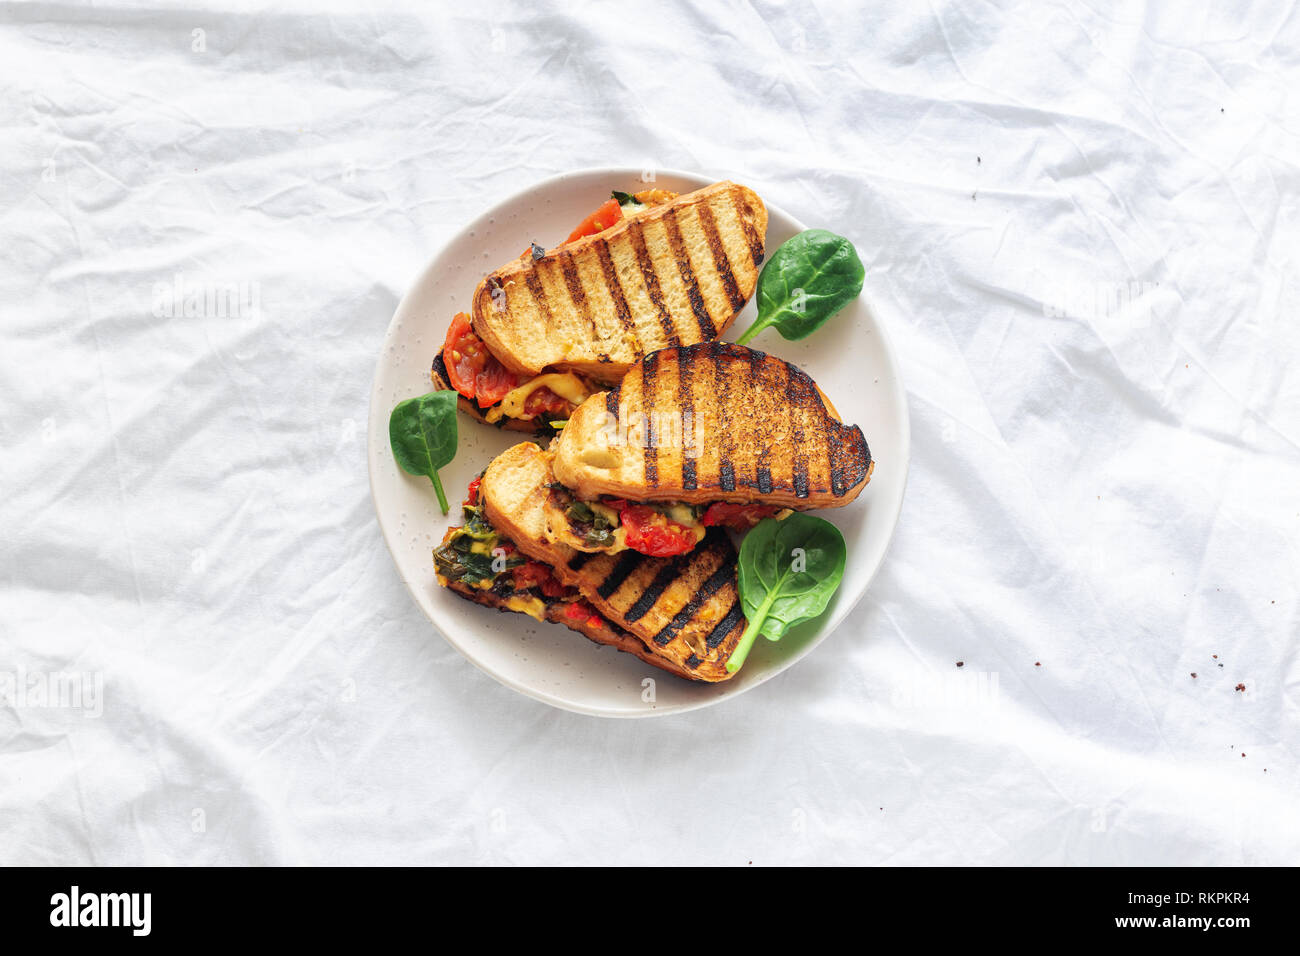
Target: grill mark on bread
720	261
615	288
725	573
627	563
669	573
722	386
576	293
837	473
686	403
687	272
747	223
636	233
579	559
534	284
650	440
724	627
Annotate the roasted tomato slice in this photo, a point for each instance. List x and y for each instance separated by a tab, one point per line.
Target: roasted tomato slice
736	517
461	354
534	574
472	369
652	533
609	213
471	496
545	402
582	611
493	383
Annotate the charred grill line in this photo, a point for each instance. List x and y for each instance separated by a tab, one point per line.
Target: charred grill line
726	625
838	486
623	568
615	289
720	261
762	463
686	402
650	440
684	268
538	293
801	477
576	293
669	573
636	233
725	574
751	234
722	385
579	559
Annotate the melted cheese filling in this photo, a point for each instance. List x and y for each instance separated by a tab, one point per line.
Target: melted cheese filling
526	604
564	384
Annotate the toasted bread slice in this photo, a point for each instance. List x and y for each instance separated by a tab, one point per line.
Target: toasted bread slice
590	624
713	422
686	609
673	275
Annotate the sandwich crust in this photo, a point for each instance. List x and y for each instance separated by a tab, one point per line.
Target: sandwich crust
685	610
675	274
713	422
595	628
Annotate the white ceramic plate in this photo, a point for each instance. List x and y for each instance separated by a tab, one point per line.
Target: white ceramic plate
850	358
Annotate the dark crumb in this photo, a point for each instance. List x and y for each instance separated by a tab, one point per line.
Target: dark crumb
1220	665
1220	109
1243	755
977	160
1215	656
1038	663
1240	687
1193	675
972	196
961	663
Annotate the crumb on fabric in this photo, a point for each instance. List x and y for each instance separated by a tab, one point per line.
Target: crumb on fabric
961	663
1240	687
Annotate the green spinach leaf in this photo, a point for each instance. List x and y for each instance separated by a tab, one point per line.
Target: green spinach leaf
788	572
809	279
625	199
422	433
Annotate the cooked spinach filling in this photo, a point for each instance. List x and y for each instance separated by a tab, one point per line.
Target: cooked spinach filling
593	527
467	555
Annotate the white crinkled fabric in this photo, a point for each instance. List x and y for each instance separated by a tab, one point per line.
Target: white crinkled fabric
1080	227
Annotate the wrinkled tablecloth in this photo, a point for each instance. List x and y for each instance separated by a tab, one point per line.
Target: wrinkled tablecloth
1080	227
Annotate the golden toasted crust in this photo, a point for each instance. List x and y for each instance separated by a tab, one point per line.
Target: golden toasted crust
713	422
675	274
685	609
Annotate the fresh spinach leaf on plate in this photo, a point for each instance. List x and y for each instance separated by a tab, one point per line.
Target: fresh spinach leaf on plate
423	436
810	278
789	570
